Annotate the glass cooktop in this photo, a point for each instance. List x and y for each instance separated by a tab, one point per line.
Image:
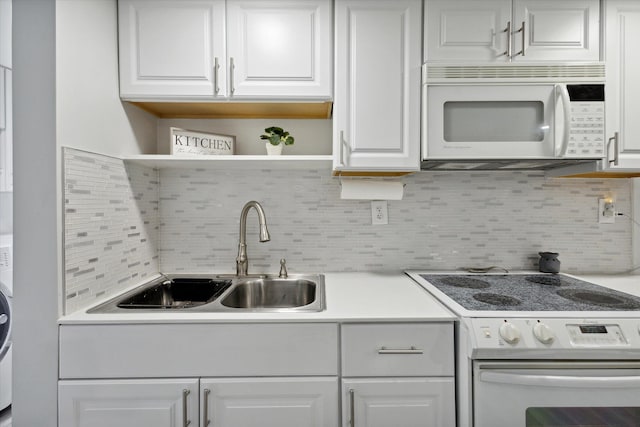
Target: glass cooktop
530	292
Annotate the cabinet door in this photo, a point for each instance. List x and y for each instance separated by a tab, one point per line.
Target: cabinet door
128	403
407	402
5	33
467	30
554	30
171	48
377	98
279	49
6	131
282	402
622	97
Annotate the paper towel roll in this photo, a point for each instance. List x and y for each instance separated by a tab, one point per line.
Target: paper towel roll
371	189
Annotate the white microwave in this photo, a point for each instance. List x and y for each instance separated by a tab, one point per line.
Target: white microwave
512	125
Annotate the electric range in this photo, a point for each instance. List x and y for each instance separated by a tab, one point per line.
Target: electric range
536	349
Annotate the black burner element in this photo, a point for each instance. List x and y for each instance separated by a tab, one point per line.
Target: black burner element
545	280
599	298
495	299
465	282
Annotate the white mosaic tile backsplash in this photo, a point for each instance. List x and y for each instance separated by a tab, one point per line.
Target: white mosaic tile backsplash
111	226
447	220
125	223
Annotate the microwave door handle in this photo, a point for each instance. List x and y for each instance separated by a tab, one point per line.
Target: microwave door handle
566	106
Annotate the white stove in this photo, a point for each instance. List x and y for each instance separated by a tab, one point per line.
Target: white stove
537	349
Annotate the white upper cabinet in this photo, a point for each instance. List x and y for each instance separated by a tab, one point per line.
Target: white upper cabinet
506	30
5	33
376	115
622	91
170	48
279	48
178	49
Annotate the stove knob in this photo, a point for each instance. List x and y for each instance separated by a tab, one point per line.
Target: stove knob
543	333
509	332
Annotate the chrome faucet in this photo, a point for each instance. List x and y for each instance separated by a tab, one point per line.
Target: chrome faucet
242	261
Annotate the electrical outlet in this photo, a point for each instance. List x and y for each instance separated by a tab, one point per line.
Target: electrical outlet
379	212
606	211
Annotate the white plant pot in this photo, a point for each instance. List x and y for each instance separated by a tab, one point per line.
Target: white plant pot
273	150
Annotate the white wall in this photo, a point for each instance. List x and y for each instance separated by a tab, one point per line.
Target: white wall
37	254
90	115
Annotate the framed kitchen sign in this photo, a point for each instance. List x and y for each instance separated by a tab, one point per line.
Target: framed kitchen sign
188	142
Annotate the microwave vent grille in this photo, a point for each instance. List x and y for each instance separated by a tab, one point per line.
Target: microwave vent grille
513	72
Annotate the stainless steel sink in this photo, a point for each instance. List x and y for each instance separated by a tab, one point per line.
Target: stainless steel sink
181	292
271	293
201	293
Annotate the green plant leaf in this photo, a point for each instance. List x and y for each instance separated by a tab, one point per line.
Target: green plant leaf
274	140
289	140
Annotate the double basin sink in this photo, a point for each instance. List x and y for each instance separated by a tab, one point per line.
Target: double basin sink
222	293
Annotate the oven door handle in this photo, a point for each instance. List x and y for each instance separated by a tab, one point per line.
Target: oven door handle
560	380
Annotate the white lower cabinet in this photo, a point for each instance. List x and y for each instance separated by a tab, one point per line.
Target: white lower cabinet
128	403
221	402
257	374
282	402
398	374
398	402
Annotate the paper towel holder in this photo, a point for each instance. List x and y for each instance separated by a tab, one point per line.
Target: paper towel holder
369	188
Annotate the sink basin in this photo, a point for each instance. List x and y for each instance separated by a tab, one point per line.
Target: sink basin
177	293
271	293
200	293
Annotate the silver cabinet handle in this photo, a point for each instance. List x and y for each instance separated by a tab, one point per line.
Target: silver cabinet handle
205	410
352	408
615	138
341	153
232	82
410	350
185	415
507	53
216	69
521	30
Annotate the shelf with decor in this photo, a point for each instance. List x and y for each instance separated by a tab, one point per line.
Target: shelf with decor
250	162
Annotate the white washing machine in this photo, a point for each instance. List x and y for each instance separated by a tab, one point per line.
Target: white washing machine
6	296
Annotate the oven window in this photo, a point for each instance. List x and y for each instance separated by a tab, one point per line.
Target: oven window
583	417
494	121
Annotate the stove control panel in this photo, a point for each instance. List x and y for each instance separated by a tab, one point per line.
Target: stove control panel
554	337
600	335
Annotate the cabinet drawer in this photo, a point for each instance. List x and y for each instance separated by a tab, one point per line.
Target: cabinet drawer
194	350
401	349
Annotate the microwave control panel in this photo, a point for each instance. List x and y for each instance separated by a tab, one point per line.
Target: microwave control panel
586	135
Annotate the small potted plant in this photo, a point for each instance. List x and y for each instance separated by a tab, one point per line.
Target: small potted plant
276	137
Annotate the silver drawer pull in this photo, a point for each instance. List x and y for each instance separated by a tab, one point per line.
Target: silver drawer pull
410	350
185	409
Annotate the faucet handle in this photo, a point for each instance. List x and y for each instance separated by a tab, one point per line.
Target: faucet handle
283	269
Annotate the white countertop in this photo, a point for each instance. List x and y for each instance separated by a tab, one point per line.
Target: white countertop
350	297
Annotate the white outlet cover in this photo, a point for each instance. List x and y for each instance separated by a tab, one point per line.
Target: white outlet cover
602	219
379	212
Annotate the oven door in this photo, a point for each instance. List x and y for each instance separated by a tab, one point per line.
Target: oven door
556	394
491	122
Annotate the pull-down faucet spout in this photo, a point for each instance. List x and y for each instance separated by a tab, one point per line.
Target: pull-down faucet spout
242	262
